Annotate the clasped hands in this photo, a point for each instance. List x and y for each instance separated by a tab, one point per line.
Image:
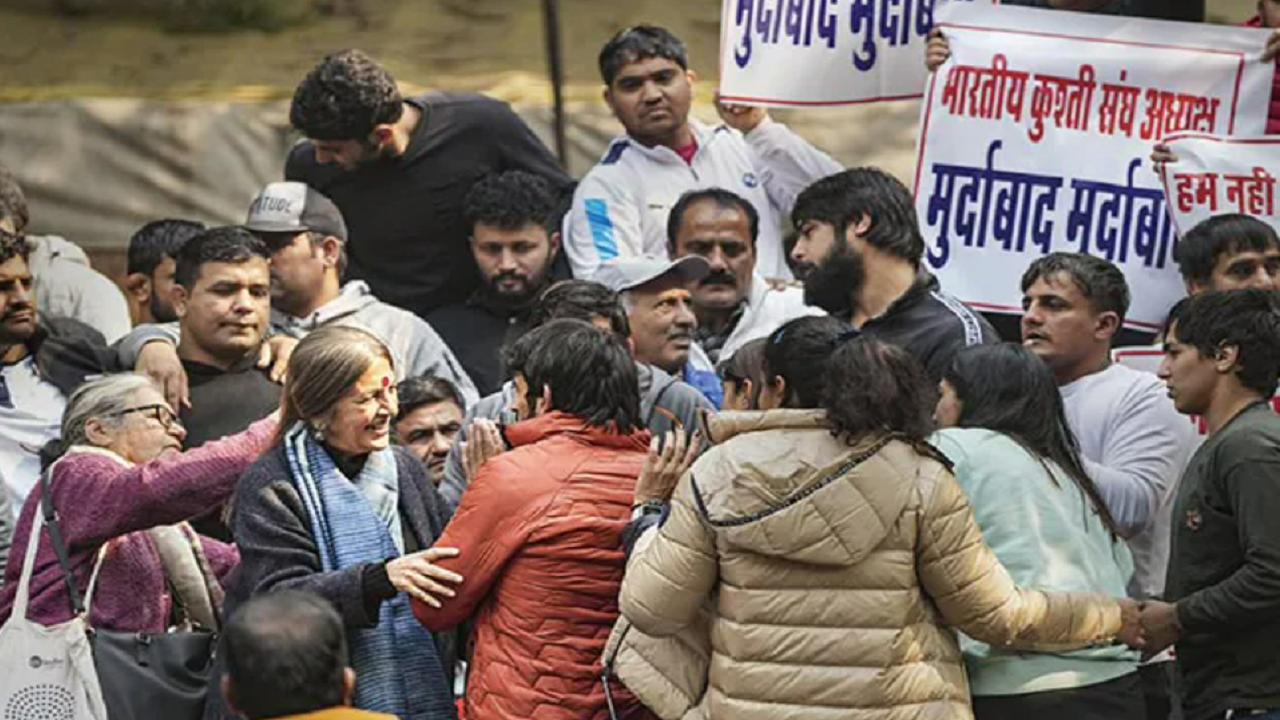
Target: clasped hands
1150	626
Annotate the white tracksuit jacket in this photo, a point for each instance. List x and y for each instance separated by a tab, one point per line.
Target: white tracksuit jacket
620	208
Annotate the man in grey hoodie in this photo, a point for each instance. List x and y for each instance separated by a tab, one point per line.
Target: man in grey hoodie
666	403
307	238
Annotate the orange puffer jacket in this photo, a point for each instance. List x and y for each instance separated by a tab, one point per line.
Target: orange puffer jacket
539	532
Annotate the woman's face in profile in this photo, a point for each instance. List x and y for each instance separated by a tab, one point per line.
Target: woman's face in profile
361	421
144	430
947	413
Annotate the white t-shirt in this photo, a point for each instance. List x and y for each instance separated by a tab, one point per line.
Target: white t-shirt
34	420
1135	445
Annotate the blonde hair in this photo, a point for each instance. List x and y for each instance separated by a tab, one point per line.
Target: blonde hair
323	367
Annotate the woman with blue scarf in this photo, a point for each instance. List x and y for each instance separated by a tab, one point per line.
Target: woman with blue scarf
334	509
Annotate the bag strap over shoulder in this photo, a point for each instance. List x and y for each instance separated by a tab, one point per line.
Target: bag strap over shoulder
79	604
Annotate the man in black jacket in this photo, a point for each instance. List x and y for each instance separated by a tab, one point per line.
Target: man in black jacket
515	240
1223	588
399	168
858	252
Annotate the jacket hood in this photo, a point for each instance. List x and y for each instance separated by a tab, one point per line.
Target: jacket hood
779	484
354	297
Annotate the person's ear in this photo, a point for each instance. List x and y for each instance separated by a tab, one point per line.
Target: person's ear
749	392
348	686
95	431
855	230
383	135
544	401
138	286
330	251
1225	358
554	241
1193	287
180	299
692	78
1106	325
607	95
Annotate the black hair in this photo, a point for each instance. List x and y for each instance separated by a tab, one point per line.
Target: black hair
1101	282
724	199
637	43
231	244
582	300
590	373
285	654
13	245
746	363
1198	251
798	353
1247	319
427	390
875	388
154	241
13	202
509	201
344	98
1008	389
842	199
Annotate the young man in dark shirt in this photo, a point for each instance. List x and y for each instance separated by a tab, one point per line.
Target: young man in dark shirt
223	303
515	240
1223	588
858	252
399	169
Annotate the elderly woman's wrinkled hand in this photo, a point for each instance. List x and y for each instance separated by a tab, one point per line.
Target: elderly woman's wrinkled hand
665	464
418	575
484	441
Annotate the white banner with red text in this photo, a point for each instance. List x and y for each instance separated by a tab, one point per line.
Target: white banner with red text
1217	175
1035	138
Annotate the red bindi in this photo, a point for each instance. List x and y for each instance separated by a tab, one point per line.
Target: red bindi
386	381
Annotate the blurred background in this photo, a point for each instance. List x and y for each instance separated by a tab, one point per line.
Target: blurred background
117	112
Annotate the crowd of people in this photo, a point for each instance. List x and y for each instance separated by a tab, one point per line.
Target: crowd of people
437	432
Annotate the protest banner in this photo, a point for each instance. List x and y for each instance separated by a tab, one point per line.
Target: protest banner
824	52
1218	175
1035	138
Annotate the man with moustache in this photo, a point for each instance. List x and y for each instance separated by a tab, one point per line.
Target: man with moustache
733	304
858	250
621	207
306	237
429	420
656	294
223	301
515	241
44	359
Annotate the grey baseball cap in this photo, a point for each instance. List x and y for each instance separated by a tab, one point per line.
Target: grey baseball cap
293	207
621	274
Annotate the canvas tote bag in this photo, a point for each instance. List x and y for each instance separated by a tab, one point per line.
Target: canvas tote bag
46	673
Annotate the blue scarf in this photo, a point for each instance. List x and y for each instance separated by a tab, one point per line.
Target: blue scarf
397	669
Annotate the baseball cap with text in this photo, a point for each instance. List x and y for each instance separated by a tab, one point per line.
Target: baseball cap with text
293	207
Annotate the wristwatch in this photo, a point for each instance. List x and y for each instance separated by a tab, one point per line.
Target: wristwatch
648	507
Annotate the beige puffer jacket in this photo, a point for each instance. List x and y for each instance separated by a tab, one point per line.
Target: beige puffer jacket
838	572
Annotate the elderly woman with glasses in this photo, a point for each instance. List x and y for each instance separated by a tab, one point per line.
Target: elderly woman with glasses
333	508
116	476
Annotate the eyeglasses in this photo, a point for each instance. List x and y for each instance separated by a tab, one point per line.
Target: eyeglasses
160	413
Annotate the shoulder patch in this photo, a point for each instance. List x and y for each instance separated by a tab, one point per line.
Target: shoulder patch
972	328
615	153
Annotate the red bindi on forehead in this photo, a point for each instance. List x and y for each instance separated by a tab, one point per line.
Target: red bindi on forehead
386	381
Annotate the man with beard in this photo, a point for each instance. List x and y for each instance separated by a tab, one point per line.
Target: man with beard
429	420
151	262
621	207
733	304
514	242
306	237
44	359
859	249
399	168
656	295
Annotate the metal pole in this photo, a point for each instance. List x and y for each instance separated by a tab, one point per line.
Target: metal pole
555	66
